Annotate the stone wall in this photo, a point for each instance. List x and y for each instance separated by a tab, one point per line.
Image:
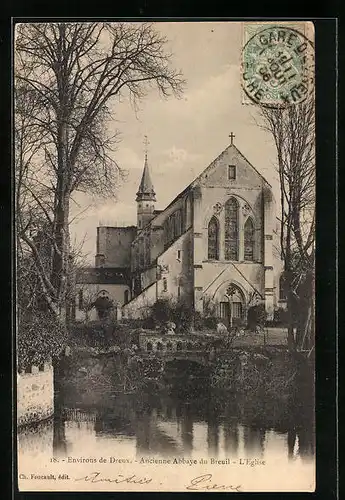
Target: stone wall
114	244
35	394
176	270
154	342
140	305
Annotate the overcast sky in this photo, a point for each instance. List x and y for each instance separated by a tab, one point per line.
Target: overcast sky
185	135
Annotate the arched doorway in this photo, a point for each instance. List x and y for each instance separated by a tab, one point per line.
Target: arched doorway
232	306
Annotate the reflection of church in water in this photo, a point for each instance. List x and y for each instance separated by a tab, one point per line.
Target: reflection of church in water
214	243
165	431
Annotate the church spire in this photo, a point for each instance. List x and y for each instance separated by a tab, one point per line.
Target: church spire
146	195
146	190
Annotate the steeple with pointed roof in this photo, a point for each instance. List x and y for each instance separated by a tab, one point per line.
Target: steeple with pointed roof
146	190
146	198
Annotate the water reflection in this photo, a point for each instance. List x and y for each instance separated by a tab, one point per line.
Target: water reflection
166	426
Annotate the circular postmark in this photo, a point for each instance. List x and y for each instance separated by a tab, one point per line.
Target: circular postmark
278	67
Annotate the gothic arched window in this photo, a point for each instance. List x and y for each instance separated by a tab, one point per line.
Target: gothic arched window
213	239
166	233
231	229
178	223
249	240
170	229
188	212
141	253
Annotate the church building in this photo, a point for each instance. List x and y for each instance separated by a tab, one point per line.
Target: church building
212	246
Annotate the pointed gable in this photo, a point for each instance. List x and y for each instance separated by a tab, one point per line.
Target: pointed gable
230	168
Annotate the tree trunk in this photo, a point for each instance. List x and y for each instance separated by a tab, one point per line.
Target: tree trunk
60	264
290	312
291	338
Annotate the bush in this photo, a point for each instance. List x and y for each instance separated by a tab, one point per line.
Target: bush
198	321
210	322
256	316
40	338
166	310
103	306
102	334
131	323
148	323
161	311
280	317
183	316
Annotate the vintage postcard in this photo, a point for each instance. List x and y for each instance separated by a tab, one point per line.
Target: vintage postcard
165	247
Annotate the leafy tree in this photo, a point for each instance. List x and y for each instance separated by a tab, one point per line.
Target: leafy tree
69	78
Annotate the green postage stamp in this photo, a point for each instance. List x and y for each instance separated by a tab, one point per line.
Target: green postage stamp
277	63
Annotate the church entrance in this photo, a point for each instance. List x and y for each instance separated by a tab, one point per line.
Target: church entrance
234	311
232	308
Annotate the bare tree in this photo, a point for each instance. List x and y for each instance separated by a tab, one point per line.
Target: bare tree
69	78
293	131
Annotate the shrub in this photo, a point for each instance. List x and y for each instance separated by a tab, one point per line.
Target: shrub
165	310
103	306
209	307
148	323
256	316
132	323
182	316
102	334
161	311
198	321
40	337
280	317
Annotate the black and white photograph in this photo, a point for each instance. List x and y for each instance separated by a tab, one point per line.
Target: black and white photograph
165	255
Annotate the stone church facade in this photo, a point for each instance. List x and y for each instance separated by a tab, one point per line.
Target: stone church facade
214	245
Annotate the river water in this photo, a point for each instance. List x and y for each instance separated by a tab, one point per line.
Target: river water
161	425
93	419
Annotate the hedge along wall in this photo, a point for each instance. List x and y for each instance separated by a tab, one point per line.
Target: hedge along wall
35	394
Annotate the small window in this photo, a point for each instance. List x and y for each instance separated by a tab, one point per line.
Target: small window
179	291
178	254
231	172
165	285
126	296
